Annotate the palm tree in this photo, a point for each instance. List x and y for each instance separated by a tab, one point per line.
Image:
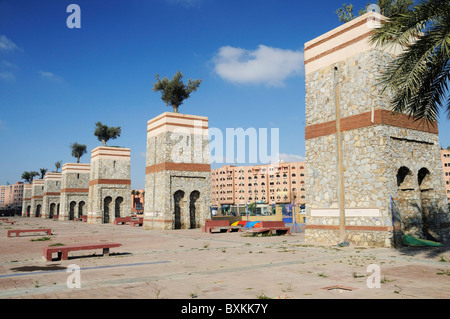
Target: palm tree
29	176
58	166
43	171
418	76
78	150
174	92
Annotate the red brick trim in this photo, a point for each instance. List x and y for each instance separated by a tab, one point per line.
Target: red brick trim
176	117
37	197
362	120
110	148
75	190
110	181
103	154
176	124
52	194
158	220
342	32
168	166
339	47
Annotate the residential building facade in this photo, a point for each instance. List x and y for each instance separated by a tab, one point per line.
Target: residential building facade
445	159
234	187
11	196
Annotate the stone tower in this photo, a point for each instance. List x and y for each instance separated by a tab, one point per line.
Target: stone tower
50	201
37	195
74	190
26	202
109	185
371	175
178	172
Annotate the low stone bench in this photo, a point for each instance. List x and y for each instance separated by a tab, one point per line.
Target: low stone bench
18	231
63	251
122	220
268	227
278	226
139	222
227	229
82	218
210	224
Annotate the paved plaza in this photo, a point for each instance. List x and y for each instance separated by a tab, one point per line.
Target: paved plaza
185	264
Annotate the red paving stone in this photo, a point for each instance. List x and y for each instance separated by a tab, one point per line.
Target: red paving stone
184	264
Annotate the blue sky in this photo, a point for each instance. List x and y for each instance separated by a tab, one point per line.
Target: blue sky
56	82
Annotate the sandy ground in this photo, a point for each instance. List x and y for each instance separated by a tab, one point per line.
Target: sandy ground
185	264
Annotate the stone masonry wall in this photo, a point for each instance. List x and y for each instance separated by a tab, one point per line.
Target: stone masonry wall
37	194
177	162
26	200
74	190
52	188
110	182
372	152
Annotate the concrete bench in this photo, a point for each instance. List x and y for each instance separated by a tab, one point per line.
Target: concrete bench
210	224
63	251
278	226
139	222
4	219
18	231
269	227
122	220
227	229
82	218
55	217
259	230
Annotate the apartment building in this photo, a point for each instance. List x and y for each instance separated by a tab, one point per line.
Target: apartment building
266	185
137	201
11	196
445	159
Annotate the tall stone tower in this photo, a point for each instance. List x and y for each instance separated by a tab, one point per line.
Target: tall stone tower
37	195
371	175
178	172
74	190
52	188
109	185
26	202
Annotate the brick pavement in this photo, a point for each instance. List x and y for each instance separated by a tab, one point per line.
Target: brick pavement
186	264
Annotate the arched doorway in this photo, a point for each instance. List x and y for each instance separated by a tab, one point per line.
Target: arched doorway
405	180
118	207
38	211
28	210
72	210
192	208
177	209
408	203
429	208
81	206
106	209
52	210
